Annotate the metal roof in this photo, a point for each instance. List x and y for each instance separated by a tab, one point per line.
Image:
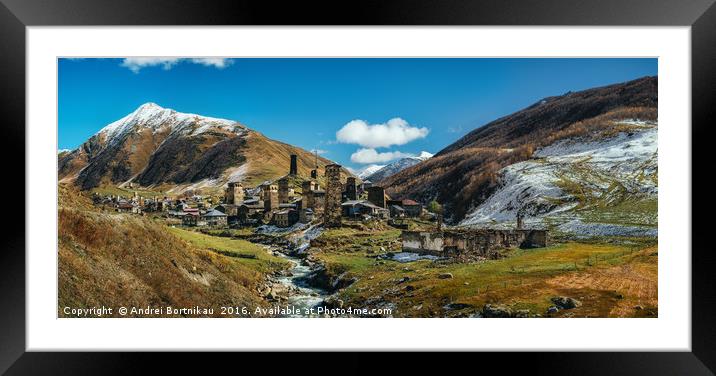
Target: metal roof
214	213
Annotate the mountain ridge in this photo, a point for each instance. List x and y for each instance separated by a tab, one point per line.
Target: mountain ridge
397	166
161	148
466	173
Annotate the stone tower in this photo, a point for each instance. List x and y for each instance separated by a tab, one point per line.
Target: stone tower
271	198
294	165
306	193
376	195
234	193
283	190
351	192
334	191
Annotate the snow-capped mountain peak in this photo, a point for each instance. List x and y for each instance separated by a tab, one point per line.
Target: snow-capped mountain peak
397	166
155	117
368	170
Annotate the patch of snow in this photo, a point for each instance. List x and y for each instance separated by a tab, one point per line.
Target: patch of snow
204	183
586	230
367	171
411	256
622	163
154	117
237	173
424	155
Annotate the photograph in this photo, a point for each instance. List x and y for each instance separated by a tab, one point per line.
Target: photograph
357	187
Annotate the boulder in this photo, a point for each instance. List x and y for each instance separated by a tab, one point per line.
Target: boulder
565	302
445	275
552	309
333	302
522	313
456	306
496	310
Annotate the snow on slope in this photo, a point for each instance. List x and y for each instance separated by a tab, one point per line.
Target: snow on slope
367	171
397	166
154	117
576	185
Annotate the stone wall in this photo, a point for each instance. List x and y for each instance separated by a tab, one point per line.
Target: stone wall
482	242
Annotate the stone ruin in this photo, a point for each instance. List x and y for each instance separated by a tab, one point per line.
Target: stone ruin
467	243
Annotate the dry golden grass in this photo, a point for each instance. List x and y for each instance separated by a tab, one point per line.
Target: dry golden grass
124	260
635	284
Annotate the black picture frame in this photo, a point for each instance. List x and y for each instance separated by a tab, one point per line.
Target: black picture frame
700	15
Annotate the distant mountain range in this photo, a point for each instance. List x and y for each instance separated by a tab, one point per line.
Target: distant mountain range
164	149
377	175
466	175
583	161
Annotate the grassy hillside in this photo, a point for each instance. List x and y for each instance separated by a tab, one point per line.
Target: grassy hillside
463	175
124	260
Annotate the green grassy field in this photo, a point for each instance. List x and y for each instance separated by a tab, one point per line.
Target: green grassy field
244	252
609	278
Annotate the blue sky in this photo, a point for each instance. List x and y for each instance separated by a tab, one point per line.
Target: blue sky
312	103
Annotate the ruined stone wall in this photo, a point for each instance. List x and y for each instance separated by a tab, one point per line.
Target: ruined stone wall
334	191
319	203
422	242
482	242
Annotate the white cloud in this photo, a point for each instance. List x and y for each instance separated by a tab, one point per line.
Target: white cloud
364	156
319	151
212	62
395	131
135	64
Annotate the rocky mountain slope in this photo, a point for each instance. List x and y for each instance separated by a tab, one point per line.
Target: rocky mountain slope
164	149
465	174
583	186
367	171
397	166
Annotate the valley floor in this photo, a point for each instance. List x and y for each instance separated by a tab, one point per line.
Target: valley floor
608	278
120	259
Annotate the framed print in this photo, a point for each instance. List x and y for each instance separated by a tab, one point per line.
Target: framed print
459	176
